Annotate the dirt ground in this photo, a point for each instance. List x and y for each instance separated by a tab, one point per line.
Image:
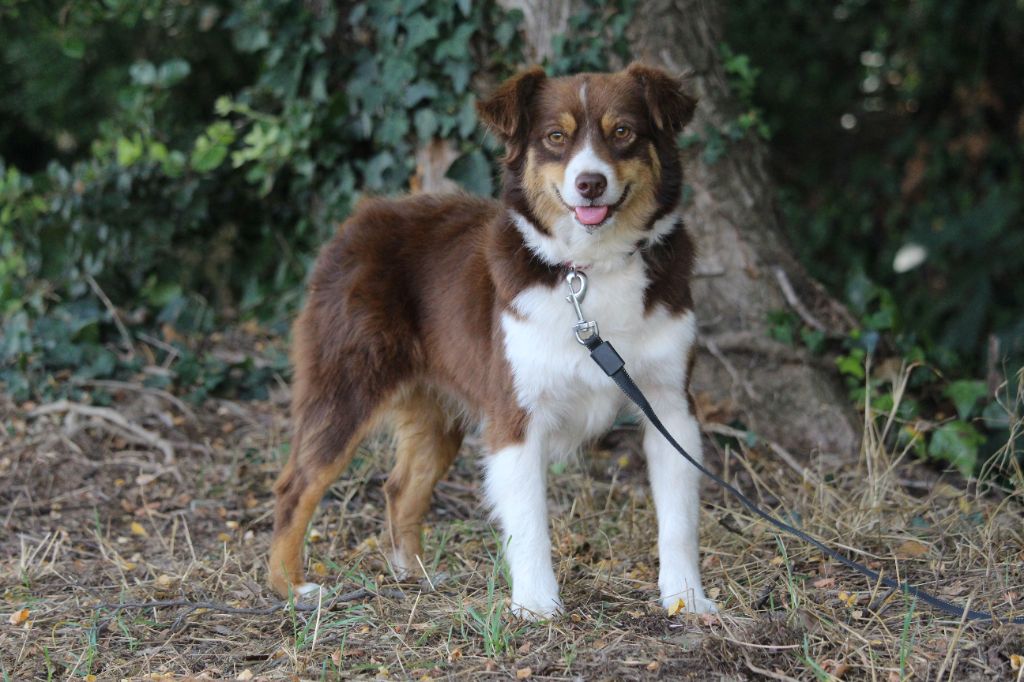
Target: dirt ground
134	536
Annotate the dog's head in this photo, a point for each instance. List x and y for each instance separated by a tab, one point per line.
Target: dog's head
591	157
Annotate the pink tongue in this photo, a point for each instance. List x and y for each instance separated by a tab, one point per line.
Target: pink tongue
591	215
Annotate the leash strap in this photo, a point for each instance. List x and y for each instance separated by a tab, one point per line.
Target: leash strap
611	362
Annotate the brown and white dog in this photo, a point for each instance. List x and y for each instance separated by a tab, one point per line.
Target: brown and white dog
424	307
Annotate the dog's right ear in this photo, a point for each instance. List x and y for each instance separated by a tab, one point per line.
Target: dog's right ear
507	111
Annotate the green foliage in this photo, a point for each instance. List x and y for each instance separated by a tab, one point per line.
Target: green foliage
896	130
188	159
956	442
742	76
596	39
896	126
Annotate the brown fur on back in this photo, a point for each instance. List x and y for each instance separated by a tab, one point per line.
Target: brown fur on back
407	290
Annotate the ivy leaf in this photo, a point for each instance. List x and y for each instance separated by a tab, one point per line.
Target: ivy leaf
426	123
73	47
852	364
467	117
128	150
956	442
473	172
419	30
419	91
142	73
172	71
211	147
374	170
995	416
459	72
206	156
965	394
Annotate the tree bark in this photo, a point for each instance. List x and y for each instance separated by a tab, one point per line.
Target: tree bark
745	270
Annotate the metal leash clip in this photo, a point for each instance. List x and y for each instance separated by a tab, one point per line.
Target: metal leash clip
584	329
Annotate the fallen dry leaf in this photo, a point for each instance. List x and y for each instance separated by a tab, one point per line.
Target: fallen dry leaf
1016	662
677	607
523	673
910	549
139	529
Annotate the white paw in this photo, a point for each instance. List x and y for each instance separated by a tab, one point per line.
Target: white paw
536	610
403	568
307	592
691	603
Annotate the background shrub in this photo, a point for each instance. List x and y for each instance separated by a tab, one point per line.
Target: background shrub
185	160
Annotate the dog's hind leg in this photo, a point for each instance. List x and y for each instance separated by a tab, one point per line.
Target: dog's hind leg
326	438
427	443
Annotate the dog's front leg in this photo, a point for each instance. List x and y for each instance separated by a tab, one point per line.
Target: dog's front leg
516	490
675	484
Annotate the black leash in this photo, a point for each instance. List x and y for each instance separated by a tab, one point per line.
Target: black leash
613	365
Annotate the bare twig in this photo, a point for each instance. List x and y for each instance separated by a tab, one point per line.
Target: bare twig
139	388
736	378
767	673
105	414
879	604
795	303
756	343
171	351
122	330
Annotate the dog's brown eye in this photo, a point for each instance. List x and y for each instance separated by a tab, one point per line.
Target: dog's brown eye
556	137
622	132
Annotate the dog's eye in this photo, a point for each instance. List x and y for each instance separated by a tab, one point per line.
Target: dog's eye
556	137
622	132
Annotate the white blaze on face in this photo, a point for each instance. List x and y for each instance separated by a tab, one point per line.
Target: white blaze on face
587	161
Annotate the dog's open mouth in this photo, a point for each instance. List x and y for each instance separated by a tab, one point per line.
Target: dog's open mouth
593	216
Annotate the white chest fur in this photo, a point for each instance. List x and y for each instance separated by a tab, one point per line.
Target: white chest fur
566	395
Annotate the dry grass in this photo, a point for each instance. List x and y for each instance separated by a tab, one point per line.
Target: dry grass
93	518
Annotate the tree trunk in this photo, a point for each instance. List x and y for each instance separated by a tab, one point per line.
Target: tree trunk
745	271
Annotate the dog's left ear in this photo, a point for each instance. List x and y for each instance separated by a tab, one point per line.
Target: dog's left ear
670	107
507	111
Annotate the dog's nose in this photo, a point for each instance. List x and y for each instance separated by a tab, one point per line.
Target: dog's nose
591	185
